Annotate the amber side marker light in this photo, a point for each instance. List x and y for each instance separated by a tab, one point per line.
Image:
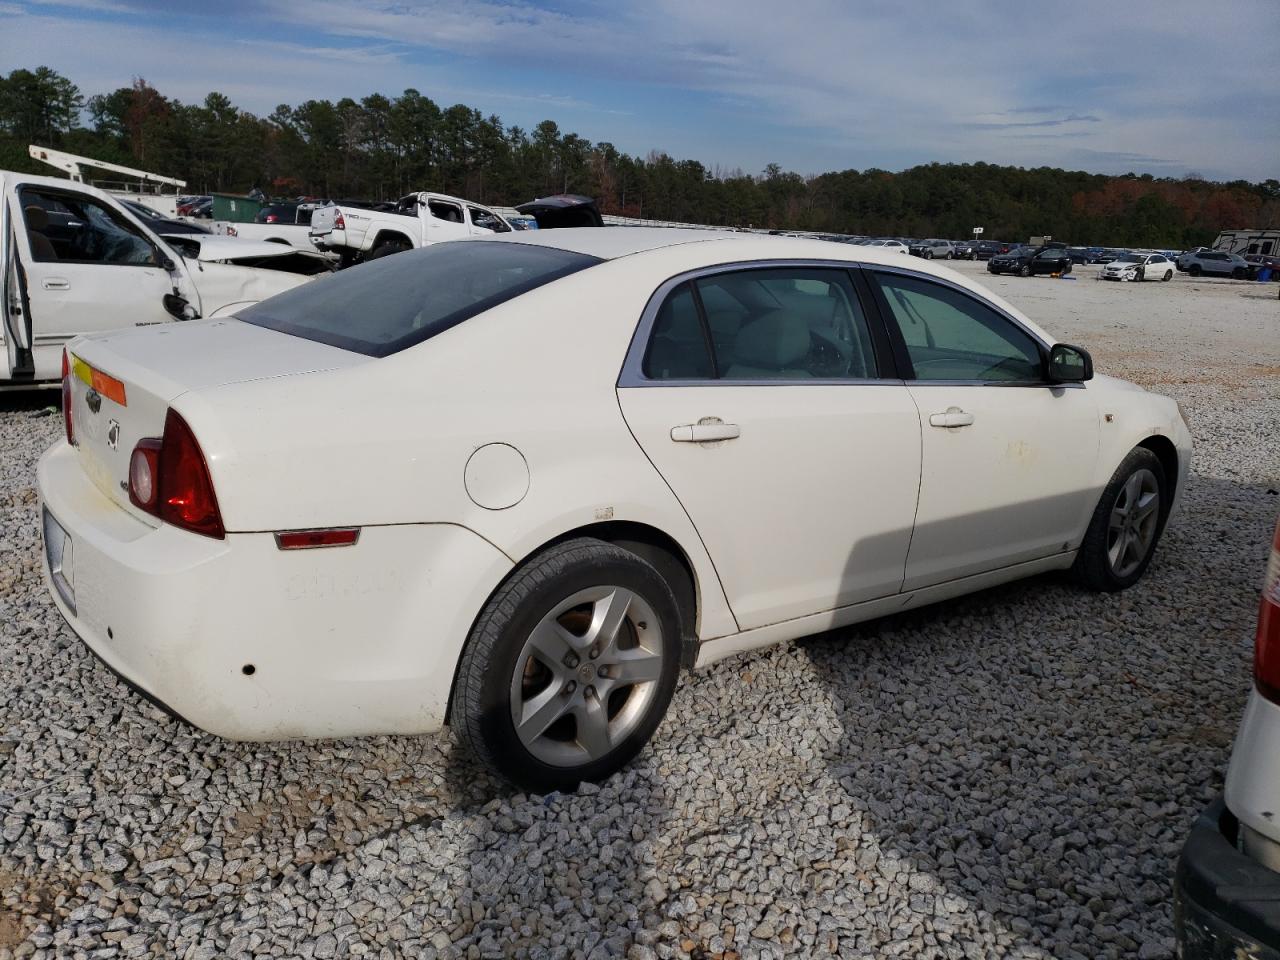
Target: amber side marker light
311	539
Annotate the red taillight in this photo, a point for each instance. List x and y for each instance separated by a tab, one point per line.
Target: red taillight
1266	648
186	489
339	223
170	479
270	218
67	422
310	539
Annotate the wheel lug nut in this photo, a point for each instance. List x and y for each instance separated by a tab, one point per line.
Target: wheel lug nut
570	687
602	671
595	652
590	692
571	660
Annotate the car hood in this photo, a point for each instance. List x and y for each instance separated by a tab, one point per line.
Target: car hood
219	249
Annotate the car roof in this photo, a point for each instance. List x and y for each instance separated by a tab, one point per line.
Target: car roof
612	243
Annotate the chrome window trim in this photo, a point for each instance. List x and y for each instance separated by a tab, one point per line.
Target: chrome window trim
632	374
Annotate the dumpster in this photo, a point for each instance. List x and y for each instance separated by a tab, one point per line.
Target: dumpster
236	209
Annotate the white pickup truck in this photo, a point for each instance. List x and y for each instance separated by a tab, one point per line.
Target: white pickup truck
275	223
356	233
74	260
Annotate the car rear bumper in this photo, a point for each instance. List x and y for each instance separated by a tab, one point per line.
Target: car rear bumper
1226	905
1253	778
251	642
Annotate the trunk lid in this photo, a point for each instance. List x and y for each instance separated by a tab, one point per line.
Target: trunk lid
122	383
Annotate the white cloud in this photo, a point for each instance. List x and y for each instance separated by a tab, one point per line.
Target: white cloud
813	84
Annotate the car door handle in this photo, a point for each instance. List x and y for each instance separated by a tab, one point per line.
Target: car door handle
55	283
704	432
954	417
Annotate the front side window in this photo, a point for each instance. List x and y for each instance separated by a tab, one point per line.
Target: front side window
390	304
487	220
68	227
950	335
793	323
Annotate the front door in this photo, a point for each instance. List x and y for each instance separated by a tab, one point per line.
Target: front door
87	268
756	394
1008	459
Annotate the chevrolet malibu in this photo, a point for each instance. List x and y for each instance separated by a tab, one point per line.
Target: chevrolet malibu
516	485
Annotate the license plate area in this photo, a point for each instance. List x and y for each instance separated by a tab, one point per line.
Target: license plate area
59	552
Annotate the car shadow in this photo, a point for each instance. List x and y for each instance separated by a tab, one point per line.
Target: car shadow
1037	752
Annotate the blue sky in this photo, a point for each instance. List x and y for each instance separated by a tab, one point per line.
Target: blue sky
1160	86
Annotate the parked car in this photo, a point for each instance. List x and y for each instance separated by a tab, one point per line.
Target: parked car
1104	256
894	246
197	207
363	508
986	249
1262	261
420	219
1078	255
1216	263
1026	261
964	249
1228	876
1138	266
932	249
80	261
161	224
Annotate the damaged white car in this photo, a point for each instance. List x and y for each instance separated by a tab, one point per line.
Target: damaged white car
75	260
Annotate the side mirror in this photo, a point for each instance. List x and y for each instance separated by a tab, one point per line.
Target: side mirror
179	308
1068	364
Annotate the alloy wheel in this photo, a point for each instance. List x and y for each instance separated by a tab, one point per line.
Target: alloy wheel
1135	518
586	675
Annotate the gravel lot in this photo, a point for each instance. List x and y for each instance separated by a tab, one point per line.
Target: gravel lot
1009	775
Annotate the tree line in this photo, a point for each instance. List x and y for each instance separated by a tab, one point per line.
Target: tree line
382	147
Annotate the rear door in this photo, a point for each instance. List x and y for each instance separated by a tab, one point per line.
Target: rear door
445	220
758	394
1008	459
88	267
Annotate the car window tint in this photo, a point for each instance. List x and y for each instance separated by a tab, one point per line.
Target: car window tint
450	212
678	347
387	305
73	228
952	336
791	323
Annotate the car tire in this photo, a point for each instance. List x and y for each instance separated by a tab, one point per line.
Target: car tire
1025	270
928	254
1126	525
1168	275
510	655
1195	270
387	248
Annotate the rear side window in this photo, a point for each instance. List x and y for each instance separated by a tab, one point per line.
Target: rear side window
383	307
789	323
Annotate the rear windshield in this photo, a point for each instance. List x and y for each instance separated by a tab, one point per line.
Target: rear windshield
382	307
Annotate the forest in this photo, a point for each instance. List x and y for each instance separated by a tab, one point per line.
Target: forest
382	147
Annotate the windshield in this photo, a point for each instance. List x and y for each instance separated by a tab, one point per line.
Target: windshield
382	307
1130	258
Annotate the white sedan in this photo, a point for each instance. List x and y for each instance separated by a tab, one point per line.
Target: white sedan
516	485
1139	266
